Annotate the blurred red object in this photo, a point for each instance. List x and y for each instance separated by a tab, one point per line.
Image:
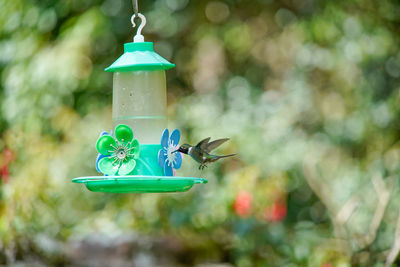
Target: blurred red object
275	213
328	264
7	156
242	205
4	173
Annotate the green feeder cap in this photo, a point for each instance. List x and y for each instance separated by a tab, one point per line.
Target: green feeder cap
139	56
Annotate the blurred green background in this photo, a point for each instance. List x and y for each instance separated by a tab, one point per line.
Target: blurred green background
308	92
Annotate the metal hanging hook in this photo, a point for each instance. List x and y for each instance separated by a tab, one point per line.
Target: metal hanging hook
138	37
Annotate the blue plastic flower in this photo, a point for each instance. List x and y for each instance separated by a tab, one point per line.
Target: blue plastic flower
166	158
100	156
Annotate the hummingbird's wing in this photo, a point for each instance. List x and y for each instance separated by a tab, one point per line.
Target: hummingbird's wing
203	143
214	144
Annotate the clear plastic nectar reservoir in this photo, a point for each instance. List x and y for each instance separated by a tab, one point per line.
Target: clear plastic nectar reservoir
140	101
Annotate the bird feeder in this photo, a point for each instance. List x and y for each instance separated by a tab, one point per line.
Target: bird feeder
140	155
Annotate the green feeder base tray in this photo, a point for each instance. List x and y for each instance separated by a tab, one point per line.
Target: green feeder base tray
138	183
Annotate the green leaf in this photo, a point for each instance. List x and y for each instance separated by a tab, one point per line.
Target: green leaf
105	145
106	166
127	167
136	148
123	133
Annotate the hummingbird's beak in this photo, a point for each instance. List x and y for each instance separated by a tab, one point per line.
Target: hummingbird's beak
175	151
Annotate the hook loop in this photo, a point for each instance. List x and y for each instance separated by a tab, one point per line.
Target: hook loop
138	37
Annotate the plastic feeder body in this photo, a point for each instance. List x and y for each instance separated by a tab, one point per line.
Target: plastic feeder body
140	101
139	91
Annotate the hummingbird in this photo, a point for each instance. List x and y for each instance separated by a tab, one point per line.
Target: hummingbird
201	152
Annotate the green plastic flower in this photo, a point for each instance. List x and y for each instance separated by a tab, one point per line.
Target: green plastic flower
119	152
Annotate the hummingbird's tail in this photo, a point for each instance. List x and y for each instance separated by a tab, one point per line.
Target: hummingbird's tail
225	156
215	157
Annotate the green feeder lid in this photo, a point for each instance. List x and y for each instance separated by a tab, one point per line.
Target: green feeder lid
139	56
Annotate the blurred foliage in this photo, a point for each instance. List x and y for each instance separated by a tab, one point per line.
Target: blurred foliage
308	91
